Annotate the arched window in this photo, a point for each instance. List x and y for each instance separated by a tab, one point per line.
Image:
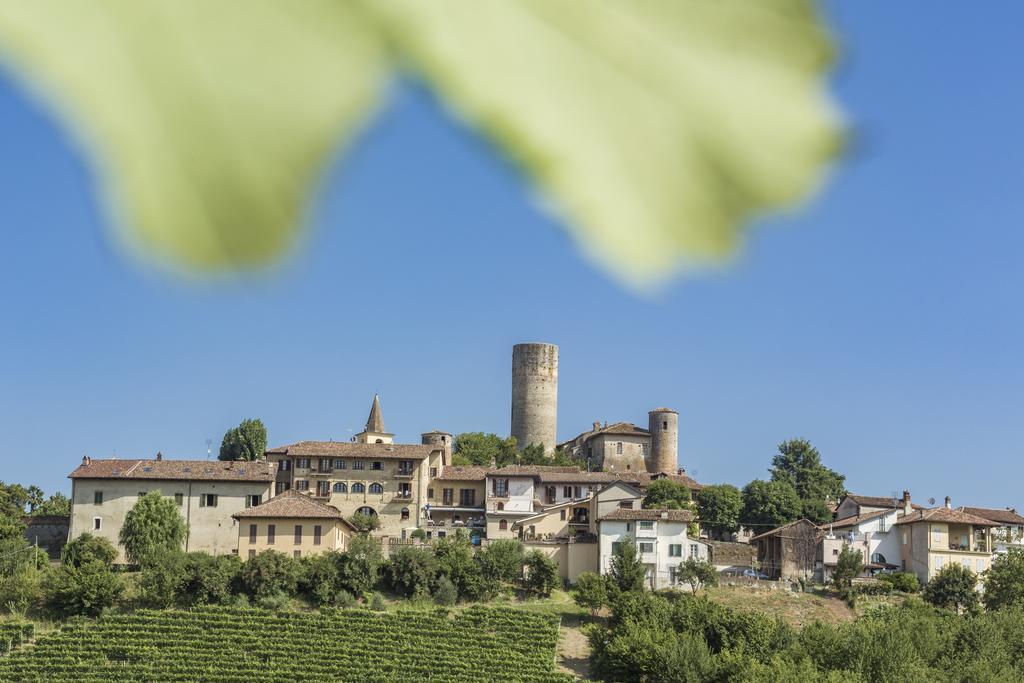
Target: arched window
358	488
405	514
878	558
339	487
379	441
368	511
501	506
503	524
376	488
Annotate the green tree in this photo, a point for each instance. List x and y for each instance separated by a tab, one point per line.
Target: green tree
541	574
665	493
211	579
270	573
456	561
501	560
769	503
412	571
360	564
153	523
87	589
591	591
719	507
247	441
13	499
364	523
799	464
697	573
35	498
627	572
445	592
57	505
418	534
1004	581
954	587
478	448
849	566
163	577
88	548
321	577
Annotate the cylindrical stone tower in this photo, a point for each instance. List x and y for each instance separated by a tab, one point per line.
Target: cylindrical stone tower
442	440
535	395
663	424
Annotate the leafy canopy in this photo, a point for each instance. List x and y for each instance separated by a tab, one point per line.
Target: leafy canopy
769	504
1004	581
88	548
798	464
697	573
954	587
154	523
665	493
655	129
247	441
627	571
719	507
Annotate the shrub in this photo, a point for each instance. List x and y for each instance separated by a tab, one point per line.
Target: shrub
627	571
21	590
953	587
321	576
268	573
359	567
1004	581
455	561
501	560
541	574
418	534
412	571
873	588
376	602
697	573
163	577
591	591
276	601
445	593
87	589
88	548
211	579
904	582
344	599
364	523
153	523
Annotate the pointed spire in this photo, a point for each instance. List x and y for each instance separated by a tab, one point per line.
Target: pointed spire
375	423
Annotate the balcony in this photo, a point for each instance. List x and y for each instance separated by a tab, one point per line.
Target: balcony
401	497
403	474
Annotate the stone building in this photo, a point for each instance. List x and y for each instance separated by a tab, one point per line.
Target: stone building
207	492
292	523
456	499
624	447
535	395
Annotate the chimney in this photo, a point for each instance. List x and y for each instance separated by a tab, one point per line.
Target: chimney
907	507
86	460
949	503
681	471
597	425
606	424
159	455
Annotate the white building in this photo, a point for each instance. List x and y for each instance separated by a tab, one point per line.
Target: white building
872	533
661	536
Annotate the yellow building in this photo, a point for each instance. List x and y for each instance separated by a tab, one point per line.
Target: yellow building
930	539
292	523
456	498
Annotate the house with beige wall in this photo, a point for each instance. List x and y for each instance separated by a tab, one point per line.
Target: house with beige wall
207	492
456	498
292	523
1009	532
932	538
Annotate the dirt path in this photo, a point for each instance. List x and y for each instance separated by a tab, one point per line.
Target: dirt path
574	651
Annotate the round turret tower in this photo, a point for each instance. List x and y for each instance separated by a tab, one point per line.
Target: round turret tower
663	424
535	395
442	440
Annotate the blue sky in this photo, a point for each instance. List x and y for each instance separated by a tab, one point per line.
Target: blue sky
883	322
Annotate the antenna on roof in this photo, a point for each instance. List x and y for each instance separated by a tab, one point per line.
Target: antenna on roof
209	450
895	499
931	501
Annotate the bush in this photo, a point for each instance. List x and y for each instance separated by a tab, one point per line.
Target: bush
445	593
268	573
412	571
501	560
163	577
627	571
697	573
364	523
954	587
88	548
418	534
321	577
456	561
376	602
541	574
344	599
153	523
904	582
1004	581
591	591
360	565
21	590
873	588
211	579
276	601
87	589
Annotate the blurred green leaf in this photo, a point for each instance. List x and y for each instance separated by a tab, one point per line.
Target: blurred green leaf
655	128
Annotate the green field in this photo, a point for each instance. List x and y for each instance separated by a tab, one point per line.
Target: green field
221	644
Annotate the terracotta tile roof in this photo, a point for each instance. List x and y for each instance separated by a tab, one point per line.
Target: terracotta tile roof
179	470
854	520
623	428
290	503
1002	516
576	477
644	479
462	473
624	515
528	470
328	449
944	515
879	501
785	527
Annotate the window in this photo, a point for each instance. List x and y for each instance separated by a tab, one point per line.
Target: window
358	465
253	500
141	494
430	494
647	547
298	534
694	550
664	425
376	488
500	487
500	506
618	448
284	465
324	464
339	487
936	534
97	498
939	561
339	464
405	490
567	492
323	488
882	525
979	565
358	488
562	515
552	493
302	463
616	545
904	538
252	552
405	467
281	486
675	550
179	499
296	554
503	524
375	465
96	523
576	492
433	472
208	500
447	496
271	533
317	531
629	526
368	511
646	525
966	563
467	497
626	504
252	534
835	552
301	485
878	558
405	514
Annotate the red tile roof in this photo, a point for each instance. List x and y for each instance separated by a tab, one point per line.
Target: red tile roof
625	515
1002	516
291	503
178	470
785	527
462	473
529	470
347	449
944	515
857	519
